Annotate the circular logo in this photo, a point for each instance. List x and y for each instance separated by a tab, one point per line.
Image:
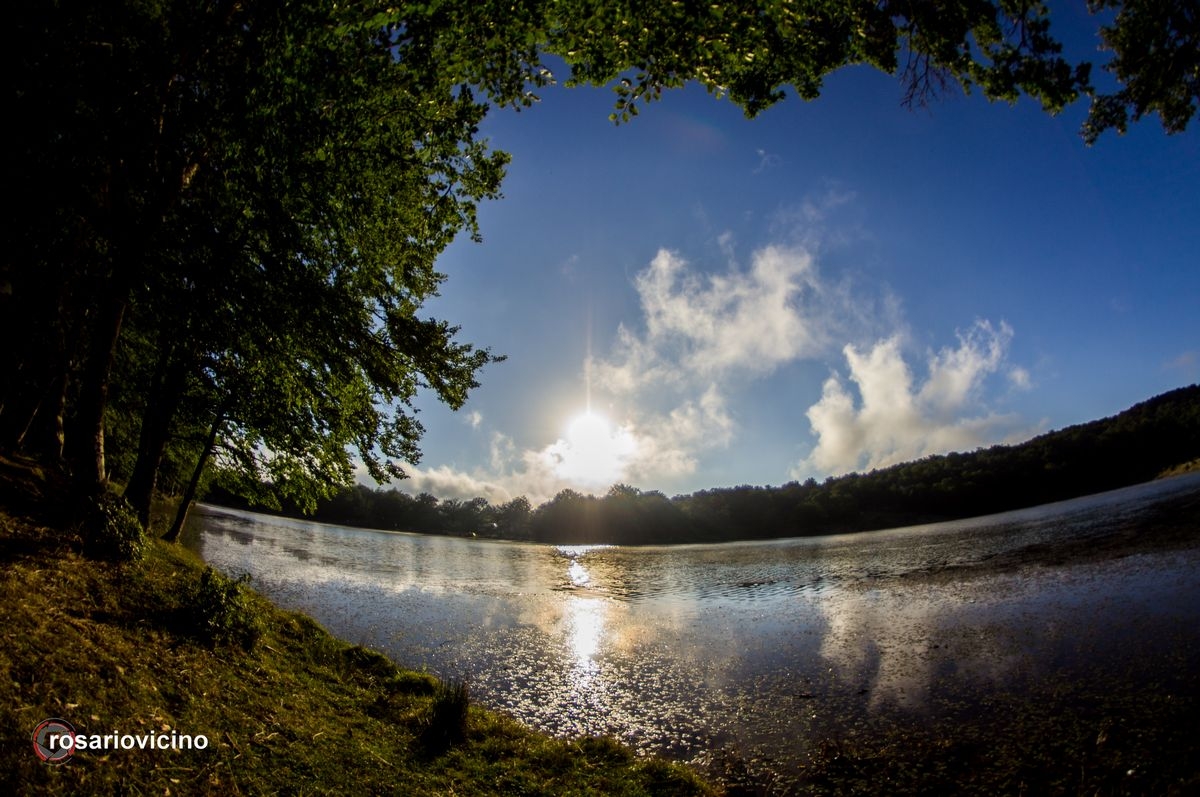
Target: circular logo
54	741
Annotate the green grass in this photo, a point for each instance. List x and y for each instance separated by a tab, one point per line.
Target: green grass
287	709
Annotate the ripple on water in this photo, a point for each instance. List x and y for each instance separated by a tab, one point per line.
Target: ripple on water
758	648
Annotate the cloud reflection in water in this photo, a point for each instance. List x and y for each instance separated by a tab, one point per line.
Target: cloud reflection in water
756	647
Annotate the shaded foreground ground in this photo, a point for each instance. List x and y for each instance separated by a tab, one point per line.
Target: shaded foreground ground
114	648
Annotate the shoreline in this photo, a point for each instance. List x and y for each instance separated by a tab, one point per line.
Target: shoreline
111	648
1176	527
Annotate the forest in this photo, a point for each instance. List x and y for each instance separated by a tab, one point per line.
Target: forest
1134	446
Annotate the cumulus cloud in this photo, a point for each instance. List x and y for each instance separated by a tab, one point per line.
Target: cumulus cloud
592	455
672	380
671	377
508	473
892	419
753	319
704	336
718	327
447	483
672	440
591	458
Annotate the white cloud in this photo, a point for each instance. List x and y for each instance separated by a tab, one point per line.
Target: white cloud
893	420
752	320
672	381
879	415
1019	378
669	383
538	474
704	337
669	446
447	483
509	473
715	328
1188	363
474	418
766	160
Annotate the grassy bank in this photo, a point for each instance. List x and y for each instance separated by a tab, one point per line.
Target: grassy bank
285	707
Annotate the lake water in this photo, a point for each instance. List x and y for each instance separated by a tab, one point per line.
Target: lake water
754	650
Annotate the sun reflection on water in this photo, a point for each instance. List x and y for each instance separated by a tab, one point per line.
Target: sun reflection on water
578	574
586	621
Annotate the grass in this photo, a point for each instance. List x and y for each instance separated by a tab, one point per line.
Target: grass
286	708
1185	467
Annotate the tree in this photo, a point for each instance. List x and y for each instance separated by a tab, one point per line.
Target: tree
1003	48
513	518
750	53
1156	62
269	217
235	209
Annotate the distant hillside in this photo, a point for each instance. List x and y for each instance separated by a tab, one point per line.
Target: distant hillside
1137	445
1134	446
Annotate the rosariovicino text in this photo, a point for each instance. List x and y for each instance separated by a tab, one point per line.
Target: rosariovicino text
127	741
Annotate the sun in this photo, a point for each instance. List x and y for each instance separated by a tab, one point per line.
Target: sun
593	452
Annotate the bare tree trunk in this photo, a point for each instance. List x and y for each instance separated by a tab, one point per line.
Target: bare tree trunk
189	495
85	443
166	391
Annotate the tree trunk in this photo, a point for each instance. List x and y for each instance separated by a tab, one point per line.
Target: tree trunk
189	494
166	392
43	324
31	417
44	437
85	443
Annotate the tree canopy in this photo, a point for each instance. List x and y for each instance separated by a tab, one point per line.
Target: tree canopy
230	213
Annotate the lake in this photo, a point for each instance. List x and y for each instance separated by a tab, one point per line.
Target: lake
756	651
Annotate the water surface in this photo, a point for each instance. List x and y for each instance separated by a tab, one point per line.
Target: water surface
756	649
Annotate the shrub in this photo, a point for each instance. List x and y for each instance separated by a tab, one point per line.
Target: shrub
369	664
446	723
112	530
222	611
412	683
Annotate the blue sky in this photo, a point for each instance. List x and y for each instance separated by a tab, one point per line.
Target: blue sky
832	286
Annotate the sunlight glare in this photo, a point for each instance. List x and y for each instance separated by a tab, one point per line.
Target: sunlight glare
594	452
586	618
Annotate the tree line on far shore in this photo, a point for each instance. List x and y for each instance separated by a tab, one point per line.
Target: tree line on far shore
1135	446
